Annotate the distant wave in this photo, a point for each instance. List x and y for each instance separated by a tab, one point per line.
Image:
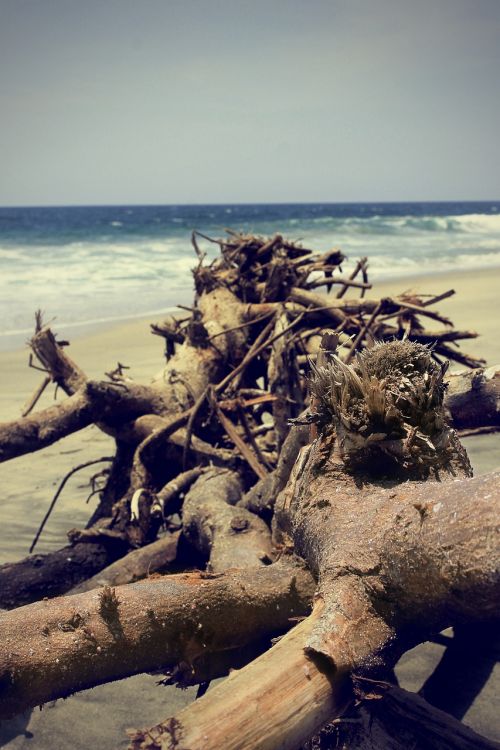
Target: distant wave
468	223
88	266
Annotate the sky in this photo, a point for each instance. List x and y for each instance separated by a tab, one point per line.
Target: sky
240	101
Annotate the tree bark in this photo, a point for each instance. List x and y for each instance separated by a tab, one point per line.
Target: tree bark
229	536
137	564
55	647
395	719
277	701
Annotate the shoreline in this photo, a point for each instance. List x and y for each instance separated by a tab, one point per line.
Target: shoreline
472	307
78	330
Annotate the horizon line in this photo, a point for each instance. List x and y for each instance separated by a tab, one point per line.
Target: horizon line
249	203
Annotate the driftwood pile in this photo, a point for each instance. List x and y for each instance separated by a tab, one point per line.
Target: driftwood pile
364	508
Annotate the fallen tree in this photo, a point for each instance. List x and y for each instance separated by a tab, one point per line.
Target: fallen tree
396	537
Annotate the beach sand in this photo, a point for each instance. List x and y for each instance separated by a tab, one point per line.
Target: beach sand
97	718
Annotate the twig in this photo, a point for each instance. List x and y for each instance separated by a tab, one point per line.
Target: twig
353	275
346	282
58	492
251	437
485	430
163	502
252	353
420	309
232	433
362	331
201	255
117	373
438	298
211	239
364	266
242	325
189	428
29	406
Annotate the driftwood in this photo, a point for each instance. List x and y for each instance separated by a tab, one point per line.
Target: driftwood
393	718
138	564
371	487
52	574
74	642
396	560
228	536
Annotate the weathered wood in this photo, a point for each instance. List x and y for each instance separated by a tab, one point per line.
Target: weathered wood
277	701
134	566
370	505
282	376
473	397
167	500
59	365
261	497
55	647
229	536
397	557
395	719
38	430
54	573
99	402
247	453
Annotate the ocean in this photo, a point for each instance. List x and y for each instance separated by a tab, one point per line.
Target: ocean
84	266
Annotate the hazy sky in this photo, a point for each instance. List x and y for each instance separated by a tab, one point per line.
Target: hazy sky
199	101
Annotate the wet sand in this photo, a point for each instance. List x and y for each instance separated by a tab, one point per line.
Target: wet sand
97	718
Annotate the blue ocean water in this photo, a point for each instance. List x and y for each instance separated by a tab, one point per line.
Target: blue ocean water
84	265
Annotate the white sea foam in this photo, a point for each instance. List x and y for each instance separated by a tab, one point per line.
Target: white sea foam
107	280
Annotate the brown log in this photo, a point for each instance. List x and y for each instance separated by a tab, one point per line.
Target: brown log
473	397
277	701
100	402
424	583
395	719
134	566
54	573
55	647
230	537
38	430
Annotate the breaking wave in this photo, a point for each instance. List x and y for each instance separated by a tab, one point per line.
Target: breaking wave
86	266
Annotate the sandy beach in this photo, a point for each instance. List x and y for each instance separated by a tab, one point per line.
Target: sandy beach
97	718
